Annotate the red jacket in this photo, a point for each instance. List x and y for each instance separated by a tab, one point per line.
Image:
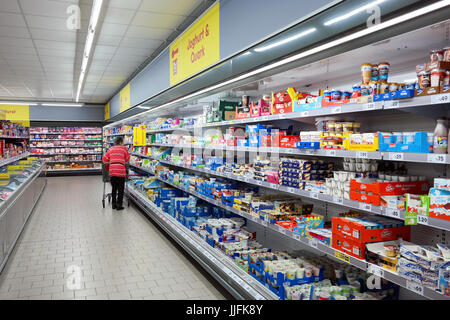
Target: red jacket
117	157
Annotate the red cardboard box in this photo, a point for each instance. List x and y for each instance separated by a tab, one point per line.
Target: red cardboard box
326	103
288	141
357	232
390	188
353	248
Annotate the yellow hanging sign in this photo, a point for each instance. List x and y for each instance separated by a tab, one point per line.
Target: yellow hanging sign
107	111
15	168
4	176
197	48
17	113
125	98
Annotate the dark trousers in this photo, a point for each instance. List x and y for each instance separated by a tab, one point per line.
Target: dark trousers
118	185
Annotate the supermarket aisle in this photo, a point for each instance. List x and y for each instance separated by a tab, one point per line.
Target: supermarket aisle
112	255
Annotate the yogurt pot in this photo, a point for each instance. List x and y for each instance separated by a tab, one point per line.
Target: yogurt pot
365	90
384	87
437	77
410	85
424	79
335	95
383	71
446	81
356	91
374	73
345	95
447	54
366	70
437	55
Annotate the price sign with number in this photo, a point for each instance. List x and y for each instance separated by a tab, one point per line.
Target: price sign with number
265	118
342	256
362	154
291	190
422	219
314	195
338	200
305	113
296	236
394	213
440	98
259	183
376	270
331	153
436	158
391	104
396	156
365	206
337	109
369	106
414	286
312	243
284	115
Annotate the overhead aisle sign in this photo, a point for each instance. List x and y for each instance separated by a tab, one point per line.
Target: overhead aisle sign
197	48
125	98
107	111
17	113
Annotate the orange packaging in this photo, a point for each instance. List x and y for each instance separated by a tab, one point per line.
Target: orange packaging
353	248
355	231
390	188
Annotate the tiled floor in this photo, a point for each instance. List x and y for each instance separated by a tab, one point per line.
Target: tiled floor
72	248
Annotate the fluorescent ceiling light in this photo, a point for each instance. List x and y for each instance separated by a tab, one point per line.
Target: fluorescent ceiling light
95	15
356	35
62	104
352	13
279	43
21	103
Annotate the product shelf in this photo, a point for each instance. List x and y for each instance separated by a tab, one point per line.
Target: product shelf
67	147
361	206
424	101
67	133
65	161
315	244
239	283
118	134
14	159
56	154
66	139
14	137
75	169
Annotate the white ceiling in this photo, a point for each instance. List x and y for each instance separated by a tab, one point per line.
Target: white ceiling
40	59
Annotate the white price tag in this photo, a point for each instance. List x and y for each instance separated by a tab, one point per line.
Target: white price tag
440	98
369	106
422	219
305	113
265	118
264	223
259	183
394	213
362	154
437	158
338	200
414	286
331	153
246	179
289	150
336	110
291	190
393	104
283	115
396	156
296	236
365	206
314	195
376	270
312	243
286	231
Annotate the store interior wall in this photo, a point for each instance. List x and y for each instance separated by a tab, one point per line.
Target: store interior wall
237	32
88	112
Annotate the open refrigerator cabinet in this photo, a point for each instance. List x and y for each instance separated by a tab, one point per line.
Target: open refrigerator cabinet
338	72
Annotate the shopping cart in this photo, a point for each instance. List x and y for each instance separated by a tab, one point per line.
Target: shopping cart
107	179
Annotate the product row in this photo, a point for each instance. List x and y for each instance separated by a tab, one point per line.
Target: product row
11	129
66	130
66	150
74	165
298	275
9	149
76	158
331	134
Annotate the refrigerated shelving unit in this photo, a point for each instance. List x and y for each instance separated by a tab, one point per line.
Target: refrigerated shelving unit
260	71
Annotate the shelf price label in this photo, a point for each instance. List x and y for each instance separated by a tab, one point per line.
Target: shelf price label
376	270
291	190
393	104
283	115
362	154
369	106
297	237
314	195
394	213
259	183
338	200
436	158
414	287
342	256
422	219
331	153
440	98
264	118
312	243
305	113
396	156
337	110
365	206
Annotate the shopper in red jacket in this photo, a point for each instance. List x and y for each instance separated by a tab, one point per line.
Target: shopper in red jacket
117	157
